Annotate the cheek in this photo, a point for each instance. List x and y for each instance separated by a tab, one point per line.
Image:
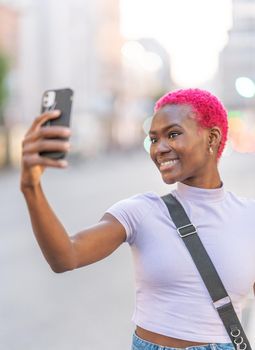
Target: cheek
152	154
200	156
193	153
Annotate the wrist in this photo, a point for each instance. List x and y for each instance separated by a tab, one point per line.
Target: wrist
29	187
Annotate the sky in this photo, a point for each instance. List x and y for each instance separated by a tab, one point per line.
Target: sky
192	31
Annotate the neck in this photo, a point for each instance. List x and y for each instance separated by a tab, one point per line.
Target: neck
209	181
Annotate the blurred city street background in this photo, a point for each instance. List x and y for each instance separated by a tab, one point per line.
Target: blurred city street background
118	56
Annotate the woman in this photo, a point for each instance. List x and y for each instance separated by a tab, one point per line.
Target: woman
173	308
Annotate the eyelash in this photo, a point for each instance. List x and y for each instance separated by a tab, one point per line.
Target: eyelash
154	140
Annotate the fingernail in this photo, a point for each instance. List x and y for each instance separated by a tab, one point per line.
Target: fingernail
67	132
63	163
56	112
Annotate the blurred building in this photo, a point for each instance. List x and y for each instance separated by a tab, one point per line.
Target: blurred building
146	76
8	31
8	61
238	58
162	73
67	43
70	43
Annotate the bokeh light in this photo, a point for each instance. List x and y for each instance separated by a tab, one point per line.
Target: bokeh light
245	87
135	54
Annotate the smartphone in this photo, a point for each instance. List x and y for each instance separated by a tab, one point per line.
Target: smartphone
57	99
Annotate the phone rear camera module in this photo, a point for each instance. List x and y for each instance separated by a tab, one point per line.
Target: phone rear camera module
49	99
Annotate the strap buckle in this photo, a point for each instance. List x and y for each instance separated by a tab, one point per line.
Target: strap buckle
238	339
219	304
187	231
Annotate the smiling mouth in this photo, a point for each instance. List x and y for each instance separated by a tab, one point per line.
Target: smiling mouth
168	164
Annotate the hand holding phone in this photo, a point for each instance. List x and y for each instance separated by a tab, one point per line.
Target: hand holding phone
60	99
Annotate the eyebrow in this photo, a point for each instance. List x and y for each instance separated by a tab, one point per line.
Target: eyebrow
154	132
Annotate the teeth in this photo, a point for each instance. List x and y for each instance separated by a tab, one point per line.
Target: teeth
169	162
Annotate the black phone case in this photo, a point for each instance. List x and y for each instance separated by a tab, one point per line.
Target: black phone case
63	102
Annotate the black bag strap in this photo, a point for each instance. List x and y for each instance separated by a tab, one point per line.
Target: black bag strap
221	300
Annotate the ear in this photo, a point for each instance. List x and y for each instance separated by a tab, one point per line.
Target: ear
215	136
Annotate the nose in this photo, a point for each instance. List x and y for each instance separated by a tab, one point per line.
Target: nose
163	146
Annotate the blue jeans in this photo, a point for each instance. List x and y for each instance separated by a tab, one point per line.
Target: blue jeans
140	344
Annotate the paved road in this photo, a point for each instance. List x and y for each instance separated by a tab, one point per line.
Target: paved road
89	308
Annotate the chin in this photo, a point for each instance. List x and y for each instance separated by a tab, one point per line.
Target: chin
169	180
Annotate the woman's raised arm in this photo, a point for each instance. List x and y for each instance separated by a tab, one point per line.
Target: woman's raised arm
62	252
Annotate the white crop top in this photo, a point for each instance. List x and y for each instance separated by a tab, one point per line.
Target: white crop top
171	298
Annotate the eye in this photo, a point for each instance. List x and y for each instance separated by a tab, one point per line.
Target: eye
153	139
173	134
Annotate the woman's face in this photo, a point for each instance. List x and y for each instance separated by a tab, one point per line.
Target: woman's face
180	147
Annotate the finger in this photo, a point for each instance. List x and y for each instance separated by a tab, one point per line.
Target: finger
31	160
42	118
46	145
48	132
54	131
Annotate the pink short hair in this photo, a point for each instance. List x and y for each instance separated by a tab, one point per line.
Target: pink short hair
208	109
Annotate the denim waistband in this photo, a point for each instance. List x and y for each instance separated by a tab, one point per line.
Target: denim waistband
141	344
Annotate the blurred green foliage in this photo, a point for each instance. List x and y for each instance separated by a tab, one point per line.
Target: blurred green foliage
235	114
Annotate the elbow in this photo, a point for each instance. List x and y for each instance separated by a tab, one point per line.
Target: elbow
61	268
63	263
